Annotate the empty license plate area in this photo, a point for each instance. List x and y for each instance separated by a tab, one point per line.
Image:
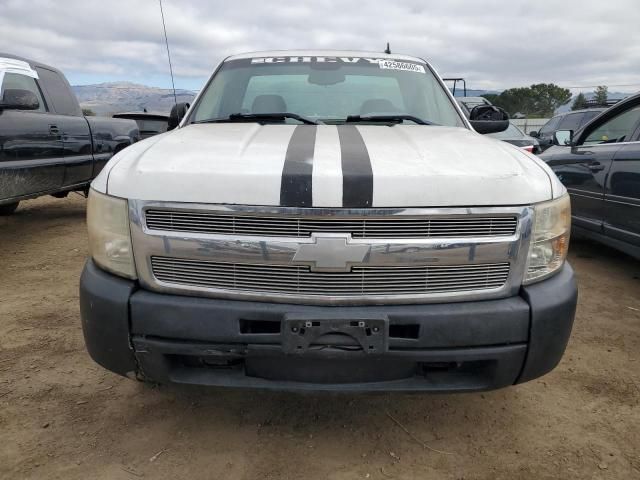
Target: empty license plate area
368	335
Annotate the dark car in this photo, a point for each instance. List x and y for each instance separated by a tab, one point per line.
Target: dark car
46	145
149	123
565	121
517	137
601	169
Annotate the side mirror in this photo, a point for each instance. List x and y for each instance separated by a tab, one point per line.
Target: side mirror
563	137
489	119
18	99
534	134
177	114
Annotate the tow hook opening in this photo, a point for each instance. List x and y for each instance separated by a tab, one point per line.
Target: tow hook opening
259	326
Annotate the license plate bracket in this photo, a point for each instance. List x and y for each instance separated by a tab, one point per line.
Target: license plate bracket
299	332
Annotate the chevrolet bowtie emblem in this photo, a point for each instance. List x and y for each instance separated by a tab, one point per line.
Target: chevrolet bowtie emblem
331	253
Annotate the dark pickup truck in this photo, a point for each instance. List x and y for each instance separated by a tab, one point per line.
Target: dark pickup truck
149	123
46	145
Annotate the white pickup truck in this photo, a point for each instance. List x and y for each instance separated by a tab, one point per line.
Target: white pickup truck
324	220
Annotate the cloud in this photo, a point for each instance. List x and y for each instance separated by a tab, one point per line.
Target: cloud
493	44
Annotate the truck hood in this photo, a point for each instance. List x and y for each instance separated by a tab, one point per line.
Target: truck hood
328	166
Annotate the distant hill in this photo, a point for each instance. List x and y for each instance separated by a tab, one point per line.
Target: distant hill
105	99
108	98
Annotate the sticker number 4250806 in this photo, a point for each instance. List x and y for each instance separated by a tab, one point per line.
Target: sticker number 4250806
406	66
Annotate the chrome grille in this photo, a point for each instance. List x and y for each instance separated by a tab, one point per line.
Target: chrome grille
293	279
401	226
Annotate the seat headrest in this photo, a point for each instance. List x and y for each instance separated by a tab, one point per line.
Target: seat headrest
268	104
378	105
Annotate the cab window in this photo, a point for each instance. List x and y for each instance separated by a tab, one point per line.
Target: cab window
23	82
571	121
588	116
617	129
551	125
64	103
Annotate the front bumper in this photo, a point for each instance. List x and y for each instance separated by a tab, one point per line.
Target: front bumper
463	346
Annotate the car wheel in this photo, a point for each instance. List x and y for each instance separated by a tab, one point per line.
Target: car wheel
8	209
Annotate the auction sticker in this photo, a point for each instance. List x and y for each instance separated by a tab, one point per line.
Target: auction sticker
405	66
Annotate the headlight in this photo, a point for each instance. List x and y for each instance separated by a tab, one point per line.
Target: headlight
549	239
109	235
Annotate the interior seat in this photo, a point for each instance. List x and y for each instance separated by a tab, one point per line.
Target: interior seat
378	105
268	104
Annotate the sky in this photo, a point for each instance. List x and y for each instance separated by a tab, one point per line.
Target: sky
493	44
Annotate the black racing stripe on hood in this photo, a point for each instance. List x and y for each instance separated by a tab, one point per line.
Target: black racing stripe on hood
295	186
357	175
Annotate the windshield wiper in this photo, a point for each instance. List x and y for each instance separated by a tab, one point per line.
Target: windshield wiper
260	117
392	118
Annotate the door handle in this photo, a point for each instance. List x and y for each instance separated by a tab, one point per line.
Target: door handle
53	130
595	167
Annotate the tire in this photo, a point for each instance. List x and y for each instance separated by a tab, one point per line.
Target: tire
8	209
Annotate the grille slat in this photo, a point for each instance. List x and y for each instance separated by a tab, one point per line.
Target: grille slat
294	279
292	226
347	283
336	278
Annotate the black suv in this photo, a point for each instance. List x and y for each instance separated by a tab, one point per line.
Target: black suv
565	121
600	166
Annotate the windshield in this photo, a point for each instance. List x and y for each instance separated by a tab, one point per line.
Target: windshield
326	89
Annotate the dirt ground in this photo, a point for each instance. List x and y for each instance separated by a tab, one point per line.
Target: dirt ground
62	416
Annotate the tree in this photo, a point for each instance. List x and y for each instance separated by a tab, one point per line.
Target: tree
87	112
601	94
514	100
491	97
548	97
539	100
579	102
